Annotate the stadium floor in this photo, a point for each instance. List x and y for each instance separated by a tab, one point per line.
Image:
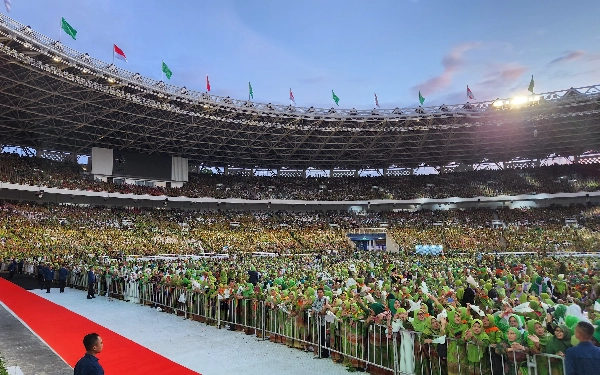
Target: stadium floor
201	348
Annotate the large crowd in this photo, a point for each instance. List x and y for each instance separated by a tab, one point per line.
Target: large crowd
454	314
34	227
486	183
479	308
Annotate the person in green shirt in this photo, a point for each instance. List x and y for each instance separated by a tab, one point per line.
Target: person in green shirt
558	345
536	342
514	350
494	365
457	355
477	341
434	351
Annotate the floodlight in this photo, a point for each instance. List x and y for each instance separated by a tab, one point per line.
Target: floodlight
519	100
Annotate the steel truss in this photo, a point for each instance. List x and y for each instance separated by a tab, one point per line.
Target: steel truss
56	98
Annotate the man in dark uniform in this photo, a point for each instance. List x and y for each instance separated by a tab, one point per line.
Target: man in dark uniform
62	278
88	364
48	276
21	264
91	282
40	273
11	269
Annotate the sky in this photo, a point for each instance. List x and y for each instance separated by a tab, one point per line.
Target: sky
355	47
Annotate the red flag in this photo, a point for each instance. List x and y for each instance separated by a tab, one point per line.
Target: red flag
119	54
292	97
376	101
207	84
470	93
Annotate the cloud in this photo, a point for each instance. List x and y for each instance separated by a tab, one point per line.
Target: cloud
570	56
504	75
500	80
452	62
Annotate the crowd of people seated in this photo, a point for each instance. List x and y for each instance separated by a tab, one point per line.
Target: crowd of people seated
149	231
486	183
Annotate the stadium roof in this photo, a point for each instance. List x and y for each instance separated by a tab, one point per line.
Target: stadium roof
55	98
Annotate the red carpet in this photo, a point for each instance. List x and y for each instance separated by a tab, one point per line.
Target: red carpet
63	330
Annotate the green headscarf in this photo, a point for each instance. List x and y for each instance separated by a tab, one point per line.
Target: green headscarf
455	329
391	306
560	311
429	330
555	345
475	351
418	325
531	330
515	330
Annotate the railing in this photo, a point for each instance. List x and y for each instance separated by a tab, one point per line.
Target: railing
33	40
351	342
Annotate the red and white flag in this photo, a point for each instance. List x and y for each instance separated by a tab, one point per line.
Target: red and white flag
7	5
207	84
376	101
470	93
118	53
292	99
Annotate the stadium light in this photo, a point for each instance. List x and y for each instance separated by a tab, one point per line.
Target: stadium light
519	100
110	80
498	103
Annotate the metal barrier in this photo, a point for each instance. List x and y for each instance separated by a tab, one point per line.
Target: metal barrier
549	364
354	343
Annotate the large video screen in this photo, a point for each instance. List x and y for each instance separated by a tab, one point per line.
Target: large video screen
131	164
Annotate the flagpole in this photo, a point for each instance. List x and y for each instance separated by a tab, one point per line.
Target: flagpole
113	54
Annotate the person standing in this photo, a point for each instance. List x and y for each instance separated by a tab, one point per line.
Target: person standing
11	269
62	278
91	281
89	364
48	276
584	358
319	309
40	275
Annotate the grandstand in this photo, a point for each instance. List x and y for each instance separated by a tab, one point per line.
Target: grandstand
61	105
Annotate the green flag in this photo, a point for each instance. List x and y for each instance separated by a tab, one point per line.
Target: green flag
335	98
250	92
421	98
166	70
68	29
530	88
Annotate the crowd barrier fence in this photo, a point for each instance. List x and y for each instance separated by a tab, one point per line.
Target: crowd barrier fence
352	342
